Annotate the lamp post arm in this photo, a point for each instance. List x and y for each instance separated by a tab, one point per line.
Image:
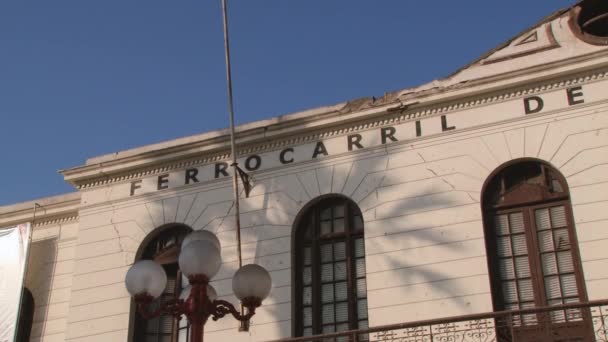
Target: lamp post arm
173	307
221	308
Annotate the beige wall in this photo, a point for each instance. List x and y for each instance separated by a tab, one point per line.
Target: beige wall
49	277
420	196
51	259
420	200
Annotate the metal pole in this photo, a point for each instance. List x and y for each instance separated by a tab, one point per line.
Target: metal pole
196	330
198	304
235	180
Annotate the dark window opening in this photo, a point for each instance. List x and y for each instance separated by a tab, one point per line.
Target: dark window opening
330	278
164	249
589	21
532	250
593	17
524	182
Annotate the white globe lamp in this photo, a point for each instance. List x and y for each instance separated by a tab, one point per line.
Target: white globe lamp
200	258
202	235
146	277
251	283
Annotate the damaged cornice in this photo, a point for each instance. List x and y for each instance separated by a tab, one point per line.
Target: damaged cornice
49	210
438	96
202	152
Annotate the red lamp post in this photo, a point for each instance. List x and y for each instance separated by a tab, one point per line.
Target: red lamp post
199	260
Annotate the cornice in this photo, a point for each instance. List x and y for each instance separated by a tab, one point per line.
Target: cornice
189	147
387	112
56	220
43	211
408	115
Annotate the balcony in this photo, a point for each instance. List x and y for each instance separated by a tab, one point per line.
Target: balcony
570	322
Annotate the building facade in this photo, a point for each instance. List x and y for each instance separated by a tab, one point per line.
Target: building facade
482	192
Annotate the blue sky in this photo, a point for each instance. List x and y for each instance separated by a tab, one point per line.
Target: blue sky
84	78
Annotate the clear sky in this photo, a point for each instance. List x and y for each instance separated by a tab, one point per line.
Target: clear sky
83	78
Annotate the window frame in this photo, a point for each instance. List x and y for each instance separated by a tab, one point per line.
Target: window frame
496	199
166	256
534	258
348	236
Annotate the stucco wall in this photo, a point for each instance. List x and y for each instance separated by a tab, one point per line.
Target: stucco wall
49	278
420	200
54	222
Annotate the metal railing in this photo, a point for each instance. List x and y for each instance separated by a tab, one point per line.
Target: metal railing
586	321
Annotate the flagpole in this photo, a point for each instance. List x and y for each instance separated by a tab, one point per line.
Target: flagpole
235	181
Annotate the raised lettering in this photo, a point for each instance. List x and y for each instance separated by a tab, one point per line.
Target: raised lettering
444	124
539	104
573	93
163	182
220	168
257	160
388	133
282	156
319	149
134	186
191	175
354	140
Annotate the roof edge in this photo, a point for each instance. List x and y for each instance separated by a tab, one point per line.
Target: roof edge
302	124
53	206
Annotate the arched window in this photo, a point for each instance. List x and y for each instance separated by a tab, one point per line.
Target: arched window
531	243
330	289
164	249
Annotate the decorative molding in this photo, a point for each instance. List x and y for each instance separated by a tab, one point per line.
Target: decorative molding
531	38
154	170
55	220
386	119
553	44
42	211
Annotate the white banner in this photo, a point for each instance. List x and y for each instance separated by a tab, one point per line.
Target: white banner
14	245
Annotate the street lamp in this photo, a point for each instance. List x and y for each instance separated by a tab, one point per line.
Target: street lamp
199	260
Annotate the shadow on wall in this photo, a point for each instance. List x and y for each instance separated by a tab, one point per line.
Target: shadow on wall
415	235
420	247
41	280
412	255
263	242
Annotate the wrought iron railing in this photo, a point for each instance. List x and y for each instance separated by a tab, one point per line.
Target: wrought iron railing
586	321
